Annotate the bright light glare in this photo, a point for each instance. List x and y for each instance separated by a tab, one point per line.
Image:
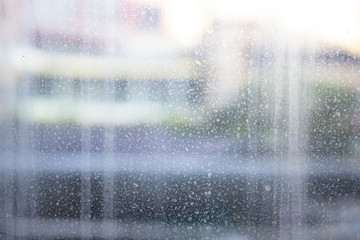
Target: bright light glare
242	9
185	21
334	21
337	22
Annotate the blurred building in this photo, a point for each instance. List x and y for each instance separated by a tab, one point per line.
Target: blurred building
73	61
142	61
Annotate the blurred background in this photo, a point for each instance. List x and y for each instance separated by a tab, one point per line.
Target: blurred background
154	119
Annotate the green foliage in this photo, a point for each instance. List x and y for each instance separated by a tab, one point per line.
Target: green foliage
332	106
250	119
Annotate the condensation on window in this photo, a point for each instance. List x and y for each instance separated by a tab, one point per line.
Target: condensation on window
155	119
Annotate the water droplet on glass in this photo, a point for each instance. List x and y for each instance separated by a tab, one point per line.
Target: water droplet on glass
210	30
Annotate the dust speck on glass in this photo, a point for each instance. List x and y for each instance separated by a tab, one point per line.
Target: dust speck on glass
192	119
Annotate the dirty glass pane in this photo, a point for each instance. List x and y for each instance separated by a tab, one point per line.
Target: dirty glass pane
155	119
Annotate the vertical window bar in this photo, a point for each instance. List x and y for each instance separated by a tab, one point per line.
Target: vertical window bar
85	212
109	161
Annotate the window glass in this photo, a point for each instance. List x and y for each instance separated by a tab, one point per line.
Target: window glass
144	119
